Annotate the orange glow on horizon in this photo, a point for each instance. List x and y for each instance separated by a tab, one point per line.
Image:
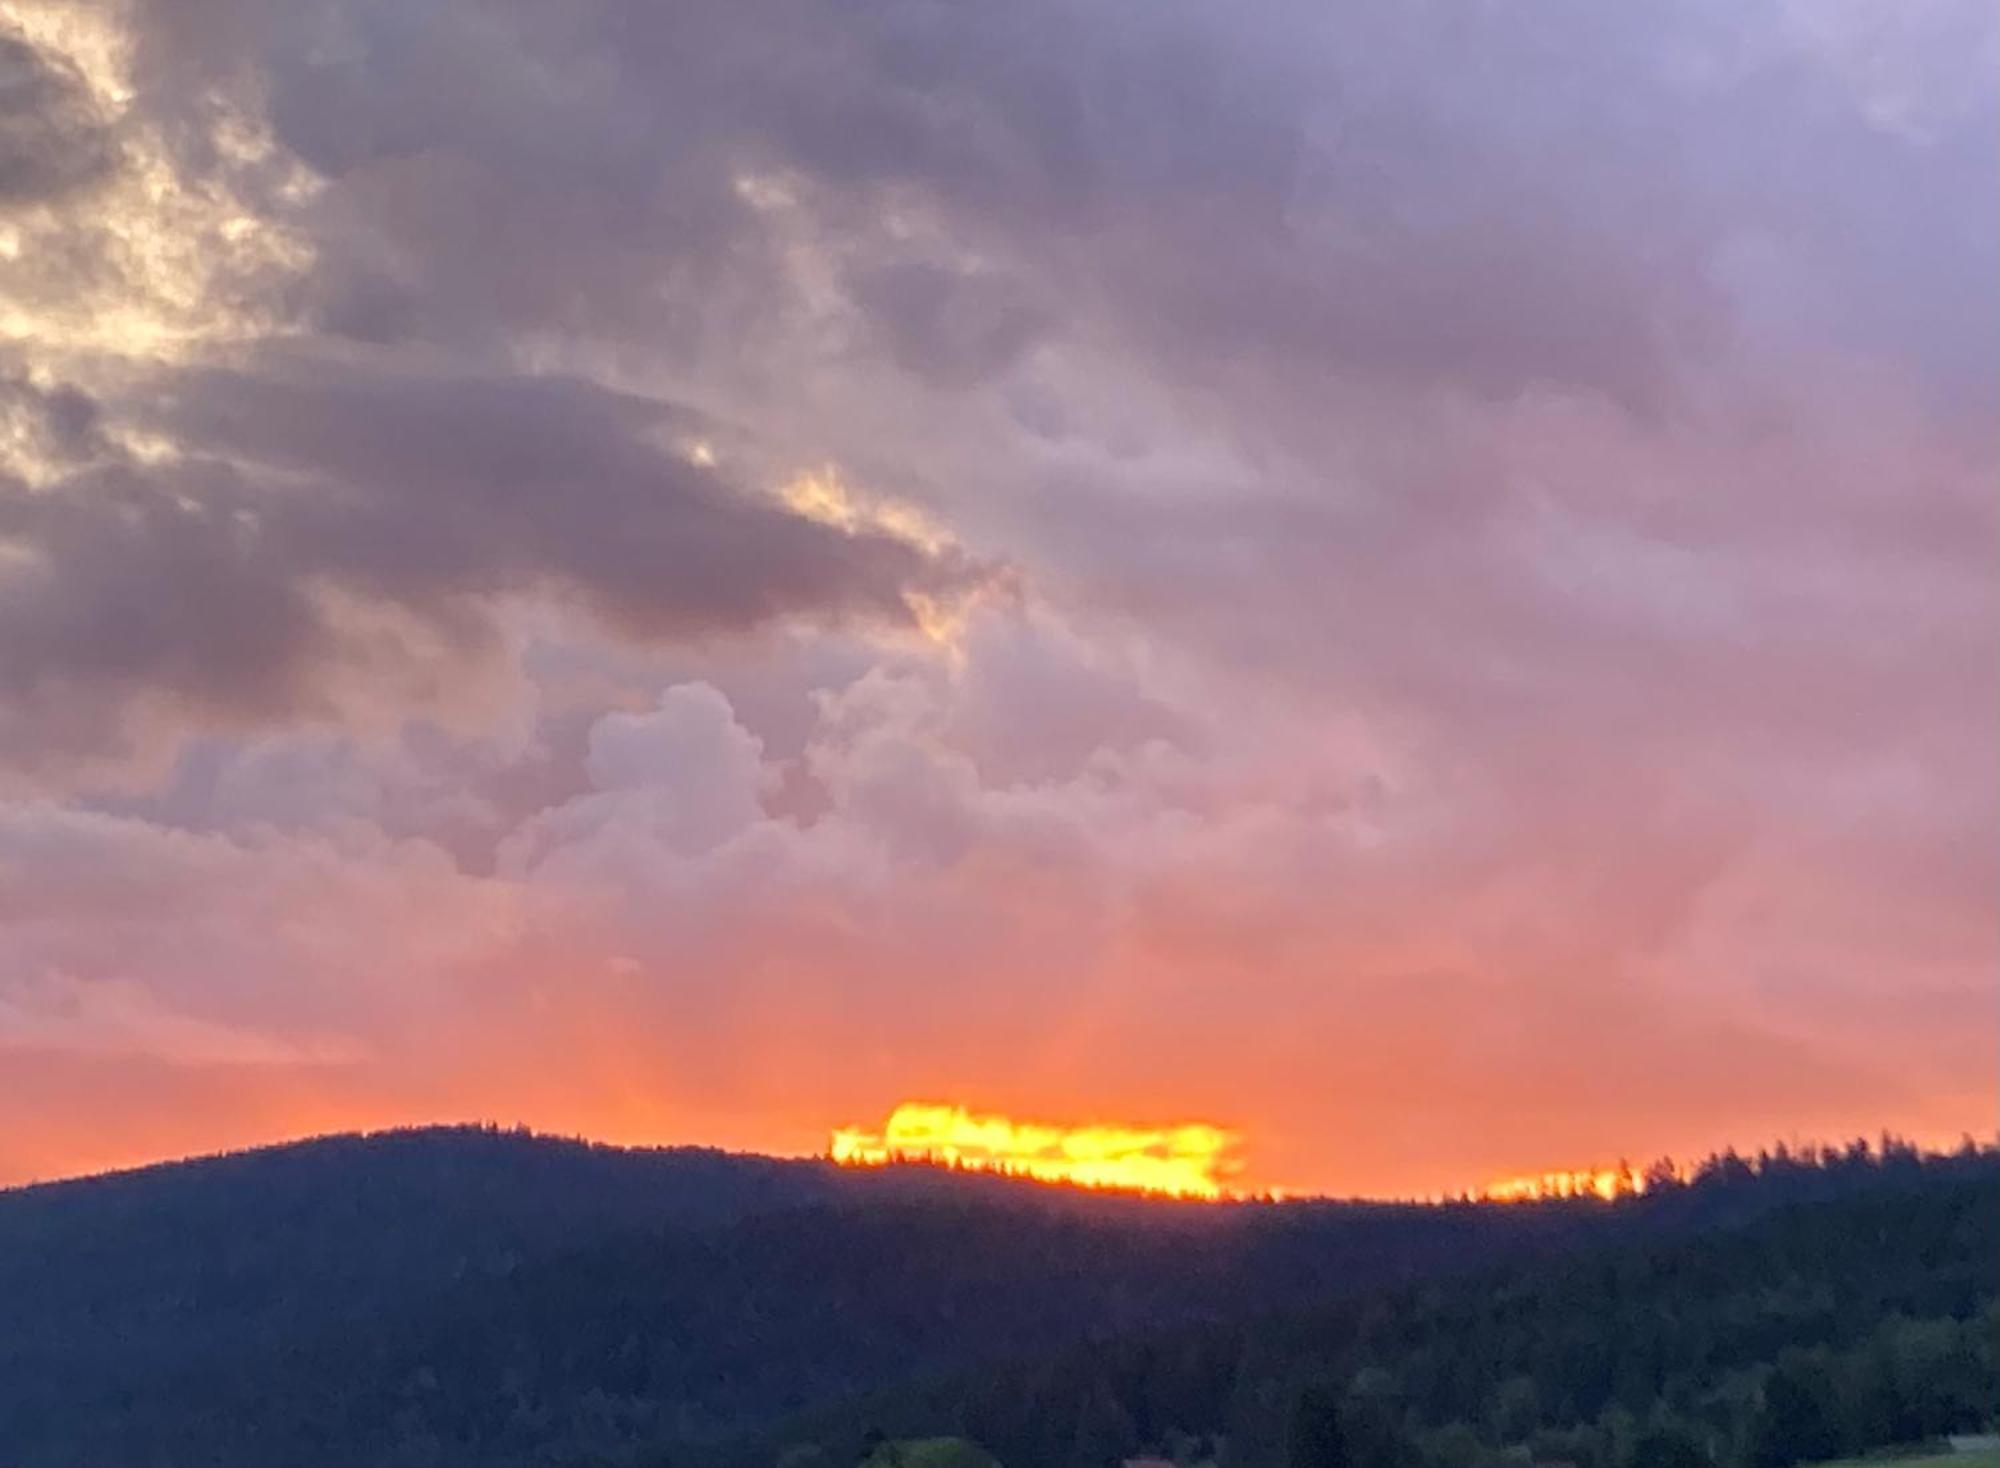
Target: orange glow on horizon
1606	1183
1186	1160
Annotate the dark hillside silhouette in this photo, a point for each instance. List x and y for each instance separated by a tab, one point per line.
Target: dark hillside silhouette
470	1296
1818	1330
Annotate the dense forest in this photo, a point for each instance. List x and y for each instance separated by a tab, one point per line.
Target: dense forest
467	1296
1820	1330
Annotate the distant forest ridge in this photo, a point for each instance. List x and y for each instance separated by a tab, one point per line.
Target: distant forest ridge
1842	1327
1602	1181
451	1297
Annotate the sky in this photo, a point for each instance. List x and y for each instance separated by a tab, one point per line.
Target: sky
1412	581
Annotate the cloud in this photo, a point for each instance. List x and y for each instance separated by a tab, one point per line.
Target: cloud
52	139
119	1018
218	578
1152	927
682	778
1290	249
752	561
1475	199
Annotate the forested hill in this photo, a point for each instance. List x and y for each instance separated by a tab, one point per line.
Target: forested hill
466	1296
1822	1330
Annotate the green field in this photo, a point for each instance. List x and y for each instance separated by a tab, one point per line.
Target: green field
931	1452
1924	1458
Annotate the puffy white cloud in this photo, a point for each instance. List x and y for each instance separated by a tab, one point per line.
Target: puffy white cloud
682	778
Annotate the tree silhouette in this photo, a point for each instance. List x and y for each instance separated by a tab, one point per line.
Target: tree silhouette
1315	1437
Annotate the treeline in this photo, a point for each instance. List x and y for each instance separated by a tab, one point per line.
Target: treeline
1833	1326
432	1300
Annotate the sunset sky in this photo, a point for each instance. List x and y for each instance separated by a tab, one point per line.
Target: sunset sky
1411	581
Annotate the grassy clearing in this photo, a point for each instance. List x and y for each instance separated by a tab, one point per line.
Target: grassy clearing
1924	1457
931	1452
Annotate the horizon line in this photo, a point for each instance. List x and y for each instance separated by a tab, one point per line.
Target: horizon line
1885	1143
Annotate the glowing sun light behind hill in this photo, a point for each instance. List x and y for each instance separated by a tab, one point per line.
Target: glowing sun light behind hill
1605	1183
1186	1160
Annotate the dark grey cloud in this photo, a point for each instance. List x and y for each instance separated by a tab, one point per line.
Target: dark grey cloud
54	138
1316	234
426	488
56	424
198	580
1351	198
1477	197
124	583
949	327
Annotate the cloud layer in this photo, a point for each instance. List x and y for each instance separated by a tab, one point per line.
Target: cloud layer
1414	582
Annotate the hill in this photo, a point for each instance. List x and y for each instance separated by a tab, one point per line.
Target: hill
470	1296
1842	1325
